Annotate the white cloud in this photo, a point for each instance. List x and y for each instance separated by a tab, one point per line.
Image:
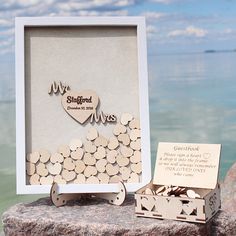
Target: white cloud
5	22
12	8
228	31
150	15
164	1
151	31
189	31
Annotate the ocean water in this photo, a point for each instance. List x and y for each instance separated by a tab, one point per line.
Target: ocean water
192	99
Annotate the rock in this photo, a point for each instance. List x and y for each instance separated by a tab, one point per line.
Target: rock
97	217
228	190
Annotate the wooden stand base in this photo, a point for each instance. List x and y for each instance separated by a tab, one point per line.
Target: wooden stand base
61	199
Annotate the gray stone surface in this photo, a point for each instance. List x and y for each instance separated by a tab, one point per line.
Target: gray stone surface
97	217
228	190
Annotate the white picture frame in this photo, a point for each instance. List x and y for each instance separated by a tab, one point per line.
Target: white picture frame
21	25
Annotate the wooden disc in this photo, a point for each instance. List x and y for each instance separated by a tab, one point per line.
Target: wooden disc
111	156
125	173
136	145
136	168
100	153
101	165
104	178
126	151
59	180
89	147
56	157
115	179
69	164
89	159
44	155
77	154
46	180
92	180
134	124
124	139
68	175
134	134
80	179
54	169
119	129
79	166
89	171
134	178
34	179
64	150
30	168
122	161
136	157
101	141
112	169
41	169
125	118
33	157
75	143
92	134
113	143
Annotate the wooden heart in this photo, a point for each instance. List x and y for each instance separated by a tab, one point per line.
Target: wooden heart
148	203
80	105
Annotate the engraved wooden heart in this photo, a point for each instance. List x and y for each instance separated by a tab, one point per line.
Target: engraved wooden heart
80	105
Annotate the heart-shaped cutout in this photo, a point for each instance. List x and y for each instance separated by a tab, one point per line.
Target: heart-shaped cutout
80	105
100	153
69	164
111	156
136	157
79	166
136	168
88	159
54	169
46	180
104	178
101	165
101	141
126	118
124	138
148	203
92	134
189	207
59	180
90	170
125	172
113	143
56	157
68	175
112	169
122	161
41	169
134	178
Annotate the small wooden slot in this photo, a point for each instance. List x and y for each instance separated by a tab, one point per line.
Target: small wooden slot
181	217
158	215
203	220
139	213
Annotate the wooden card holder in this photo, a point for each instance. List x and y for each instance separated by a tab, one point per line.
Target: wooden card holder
62	199
182	193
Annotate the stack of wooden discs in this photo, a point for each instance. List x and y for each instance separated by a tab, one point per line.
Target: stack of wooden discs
98	160
172	191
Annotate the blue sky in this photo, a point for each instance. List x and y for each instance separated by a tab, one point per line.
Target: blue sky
173	26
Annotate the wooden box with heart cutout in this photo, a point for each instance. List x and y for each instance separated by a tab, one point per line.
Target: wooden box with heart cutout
185	185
